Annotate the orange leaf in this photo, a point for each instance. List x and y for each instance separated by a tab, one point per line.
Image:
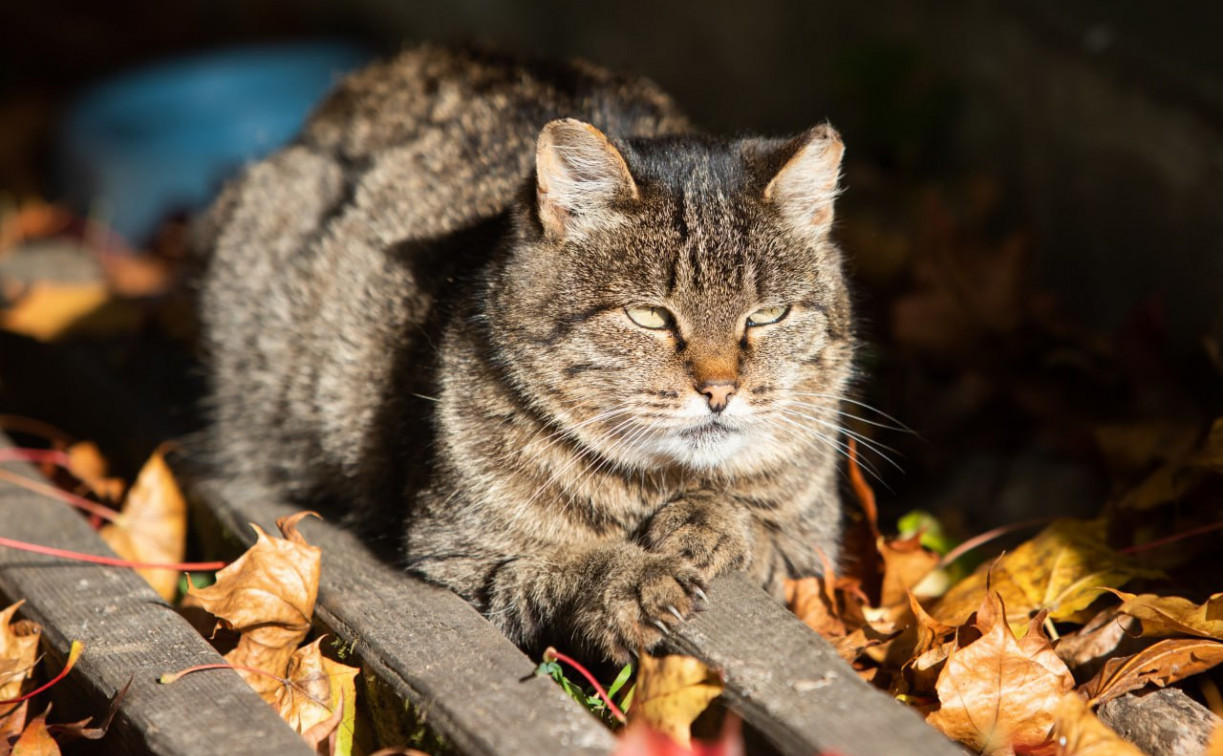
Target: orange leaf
1160	664
268	596
671	692
997	693
48	311
1078	732
86	462
152	525
35	740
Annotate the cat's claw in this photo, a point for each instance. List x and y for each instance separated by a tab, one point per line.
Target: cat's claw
675	611
700	594
665	630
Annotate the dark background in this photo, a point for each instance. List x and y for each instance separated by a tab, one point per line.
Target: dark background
1061	164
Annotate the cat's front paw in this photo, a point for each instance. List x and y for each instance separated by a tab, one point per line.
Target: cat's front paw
713	538
638	604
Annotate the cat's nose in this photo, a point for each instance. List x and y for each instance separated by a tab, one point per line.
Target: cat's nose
718	393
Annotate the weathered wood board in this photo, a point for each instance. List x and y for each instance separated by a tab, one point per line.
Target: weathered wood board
789	683
464	678
129	633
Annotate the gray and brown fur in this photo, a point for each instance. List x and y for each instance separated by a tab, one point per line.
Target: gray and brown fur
419	308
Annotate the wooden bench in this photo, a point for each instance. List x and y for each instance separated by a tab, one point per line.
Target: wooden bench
430	649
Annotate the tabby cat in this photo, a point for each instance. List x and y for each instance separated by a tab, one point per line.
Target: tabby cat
575	356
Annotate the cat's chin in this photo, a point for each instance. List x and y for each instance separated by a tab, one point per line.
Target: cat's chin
708	447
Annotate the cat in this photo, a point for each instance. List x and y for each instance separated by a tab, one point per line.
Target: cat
574	356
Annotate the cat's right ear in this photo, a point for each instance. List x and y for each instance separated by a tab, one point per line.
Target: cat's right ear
578	175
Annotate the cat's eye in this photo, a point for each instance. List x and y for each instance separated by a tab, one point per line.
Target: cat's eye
767	316
654	318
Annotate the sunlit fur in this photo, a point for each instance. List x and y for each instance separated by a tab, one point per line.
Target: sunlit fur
419	310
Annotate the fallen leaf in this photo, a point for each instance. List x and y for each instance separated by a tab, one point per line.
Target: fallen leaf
639	739
813	602
152	525
906	563
35	740
268	596
1215	746
1078	732
1160	664
671	693
86	463
1061	570
320	698
1098	639
18	654
1173	615
48	311
997	694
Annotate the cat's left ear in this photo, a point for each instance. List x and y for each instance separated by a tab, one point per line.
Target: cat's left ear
805	187
579	174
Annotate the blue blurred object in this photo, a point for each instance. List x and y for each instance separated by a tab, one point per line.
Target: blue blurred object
162	138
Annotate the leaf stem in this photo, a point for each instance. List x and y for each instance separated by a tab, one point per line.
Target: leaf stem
552	654
1139	548
109	561
93	508
989	535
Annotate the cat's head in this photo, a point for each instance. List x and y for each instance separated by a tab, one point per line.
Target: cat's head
677	300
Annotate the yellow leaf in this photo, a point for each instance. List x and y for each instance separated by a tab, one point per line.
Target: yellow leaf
1078	732
1215	746
48	311
86	462
320	697
997	694
671	693
1062	570
268	596
1173	615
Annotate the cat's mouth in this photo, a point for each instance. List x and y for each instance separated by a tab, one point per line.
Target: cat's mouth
708	432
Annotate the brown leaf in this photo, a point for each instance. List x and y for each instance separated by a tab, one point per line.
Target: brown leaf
1215	745
18	654
1078	732
905	564
1099	638
671	692
318	692
268	596
1173	615
35	740
86	462
815	605
1062	570
152	525
997	694
1161	664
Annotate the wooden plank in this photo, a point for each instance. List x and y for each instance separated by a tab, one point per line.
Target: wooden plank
128	632
470	684
1164	722
789	683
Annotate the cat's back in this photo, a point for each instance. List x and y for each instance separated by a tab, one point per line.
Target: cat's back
327	260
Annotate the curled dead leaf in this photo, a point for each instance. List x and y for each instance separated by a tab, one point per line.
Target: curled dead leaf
18	655
152	525
1173	615
671	693
1161	664
319	699
35	740
997	694
268	596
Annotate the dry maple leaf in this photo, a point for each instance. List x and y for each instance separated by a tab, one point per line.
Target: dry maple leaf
1098	639
1062	570
35	740
1078	732
18	654
997	694
152	525
1173	615
671	692
1161	664
268	596
320	696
